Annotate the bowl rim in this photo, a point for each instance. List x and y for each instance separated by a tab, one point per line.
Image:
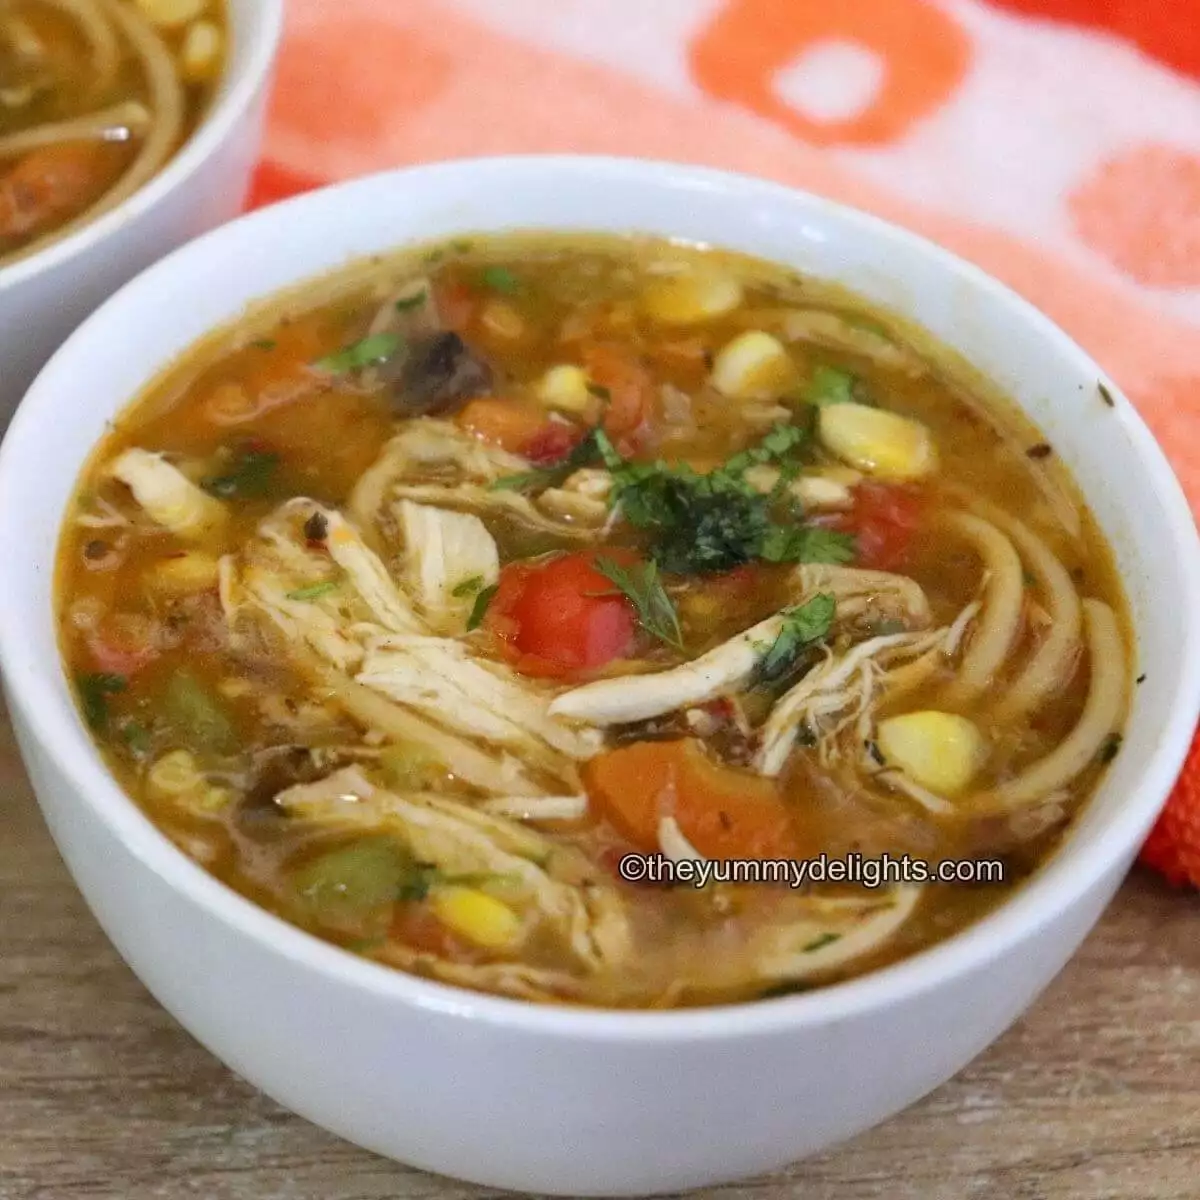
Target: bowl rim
266	18
1055	889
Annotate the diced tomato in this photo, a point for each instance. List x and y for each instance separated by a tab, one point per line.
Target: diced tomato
723	812
418	928
552	443
457	302
883	520
560	617
629	386
509	424
124	645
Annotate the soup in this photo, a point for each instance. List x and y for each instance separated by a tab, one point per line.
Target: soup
593	621
95	97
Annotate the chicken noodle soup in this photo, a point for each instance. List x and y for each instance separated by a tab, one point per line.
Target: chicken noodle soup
95	97
415	602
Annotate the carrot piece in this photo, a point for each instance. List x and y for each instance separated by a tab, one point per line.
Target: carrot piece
725	813
53	183
629	386
509	424
124	644
457	303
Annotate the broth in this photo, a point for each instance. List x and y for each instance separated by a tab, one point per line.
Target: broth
384	605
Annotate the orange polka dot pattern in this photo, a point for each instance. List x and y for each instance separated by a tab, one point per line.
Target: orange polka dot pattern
1054	142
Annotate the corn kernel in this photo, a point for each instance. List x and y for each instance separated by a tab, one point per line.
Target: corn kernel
175	774
190	572
478	917
690	298
502	321
565	388
815	491
200	54
881	443
937	750
754	366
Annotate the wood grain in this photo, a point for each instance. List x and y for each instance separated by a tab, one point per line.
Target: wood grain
1094	1096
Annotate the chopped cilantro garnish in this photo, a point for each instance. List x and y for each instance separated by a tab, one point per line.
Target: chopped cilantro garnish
807	544
250	476
414	301
136	737
643	587
314	591
500	279
584	454
94	691
1110	748
263	344
468	587
714	522
803	626
776	445
830	386
479	610
416	881
821	941
371	350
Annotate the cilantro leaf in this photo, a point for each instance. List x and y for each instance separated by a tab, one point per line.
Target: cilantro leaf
777	444
479	609
416	300
94	691
830	385
314	591
700	523
371	350
415	881
251	475
585	454
501	279
803	626
820	941
808	544
642	585
468	587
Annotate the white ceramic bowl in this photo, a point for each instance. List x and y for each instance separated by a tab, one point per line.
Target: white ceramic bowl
554	1099
43	297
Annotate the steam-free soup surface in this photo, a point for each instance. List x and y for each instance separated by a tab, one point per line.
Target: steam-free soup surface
95	97
416	602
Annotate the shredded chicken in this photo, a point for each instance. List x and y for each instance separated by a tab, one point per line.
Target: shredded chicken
437	676
845	689
449	558
459	840
168	497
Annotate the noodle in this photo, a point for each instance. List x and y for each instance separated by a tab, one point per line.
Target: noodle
1101	715
1001	619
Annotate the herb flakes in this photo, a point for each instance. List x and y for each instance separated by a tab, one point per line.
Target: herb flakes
641	584
371	350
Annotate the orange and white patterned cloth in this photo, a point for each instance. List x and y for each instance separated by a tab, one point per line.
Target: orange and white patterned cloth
1054	142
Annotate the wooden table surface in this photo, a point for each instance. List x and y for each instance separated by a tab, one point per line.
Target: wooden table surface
1094	1096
